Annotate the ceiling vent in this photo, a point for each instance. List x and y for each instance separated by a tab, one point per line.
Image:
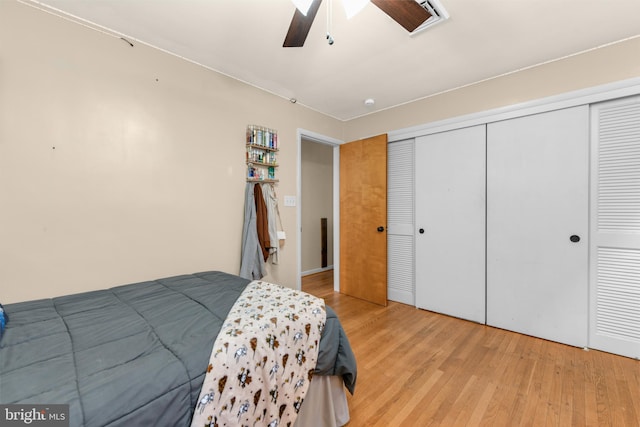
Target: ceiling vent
437	12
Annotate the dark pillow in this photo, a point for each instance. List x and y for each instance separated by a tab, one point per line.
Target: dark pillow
4	319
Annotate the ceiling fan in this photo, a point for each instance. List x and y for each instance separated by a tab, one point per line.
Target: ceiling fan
413	15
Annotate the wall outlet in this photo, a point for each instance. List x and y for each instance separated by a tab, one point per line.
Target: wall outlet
289	200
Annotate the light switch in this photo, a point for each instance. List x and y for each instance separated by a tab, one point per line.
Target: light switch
289	200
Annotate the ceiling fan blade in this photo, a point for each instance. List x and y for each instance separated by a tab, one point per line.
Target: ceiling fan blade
300	26
407	13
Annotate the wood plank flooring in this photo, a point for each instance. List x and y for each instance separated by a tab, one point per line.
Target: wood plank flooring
418	368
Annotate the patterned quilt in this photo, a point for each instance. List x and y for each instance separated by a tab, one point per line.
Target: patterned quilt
263	359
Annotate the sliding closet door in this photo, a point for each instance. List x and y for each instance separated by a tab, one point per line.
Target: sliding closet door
450	222
537	225
615	228
400	223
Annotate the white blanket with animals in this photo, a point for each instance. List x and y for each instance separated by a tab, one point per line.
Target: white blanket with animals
263	359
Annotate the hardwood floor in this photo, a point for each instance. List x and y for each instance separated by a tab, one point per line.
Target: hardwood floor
418	368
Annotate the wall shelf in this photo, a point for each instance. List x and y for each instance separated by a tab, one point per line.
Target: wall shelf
262	147
261	157
249	162
263	180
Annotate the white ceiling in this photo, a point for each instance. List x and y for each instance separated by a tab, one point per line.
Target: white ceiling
373	56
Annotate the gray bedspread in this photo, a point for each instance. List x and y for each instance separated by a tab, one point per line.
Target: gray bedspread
131	355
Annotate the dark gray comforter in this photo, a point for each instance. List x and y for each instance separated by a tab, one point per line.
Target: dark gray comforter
131	355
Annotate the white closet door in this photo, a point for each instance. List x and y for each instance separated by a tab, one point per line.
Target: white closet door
615	228
537	198
400	248
450	222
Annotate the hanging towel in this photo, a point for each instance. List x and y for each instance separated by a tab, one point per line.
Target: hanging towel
271	200
262	221
252	265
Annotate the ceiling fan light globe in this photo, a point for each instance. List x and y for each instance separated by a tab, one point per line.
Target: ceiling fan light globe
302	5
353	7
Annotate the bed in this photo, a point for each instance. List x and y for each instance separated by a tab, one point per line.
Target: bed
138	354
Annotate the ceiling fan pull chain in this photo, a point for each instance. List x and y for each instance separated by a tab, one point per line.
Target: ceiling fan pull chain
329	12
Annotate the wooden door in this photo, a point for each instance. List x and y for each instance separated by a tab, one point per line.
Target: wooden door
450	218
537	225
363	219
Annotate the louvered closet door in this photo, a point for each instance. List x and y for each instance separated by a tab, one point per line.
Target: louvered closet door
400	244
537	199
450	222
615	228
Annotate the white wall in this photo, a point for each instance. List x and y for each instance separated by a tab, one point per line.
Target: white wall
120	164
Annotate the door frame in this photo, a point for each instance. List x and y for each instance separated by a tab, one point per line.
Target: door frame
335	143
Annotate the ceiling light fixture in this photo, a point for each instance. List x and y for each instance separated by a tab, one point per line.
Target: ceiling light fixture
302	5
351	7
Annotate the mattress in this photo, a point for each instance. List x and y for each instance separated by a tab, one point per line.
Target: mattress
133	354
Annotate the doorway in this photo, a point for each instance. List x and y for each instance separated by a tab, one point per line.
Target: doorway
318	185
373	161
316	205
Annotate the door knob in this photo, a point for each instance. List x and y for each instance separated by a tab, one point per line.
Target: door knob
380	229
421	231
574	238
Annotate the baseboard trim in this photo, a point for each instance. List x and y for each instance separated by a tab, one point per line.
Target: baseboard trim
316	270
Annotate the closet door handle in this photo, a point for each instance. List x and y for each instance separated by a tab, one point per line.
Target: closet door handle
574	238
421	231
380	229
